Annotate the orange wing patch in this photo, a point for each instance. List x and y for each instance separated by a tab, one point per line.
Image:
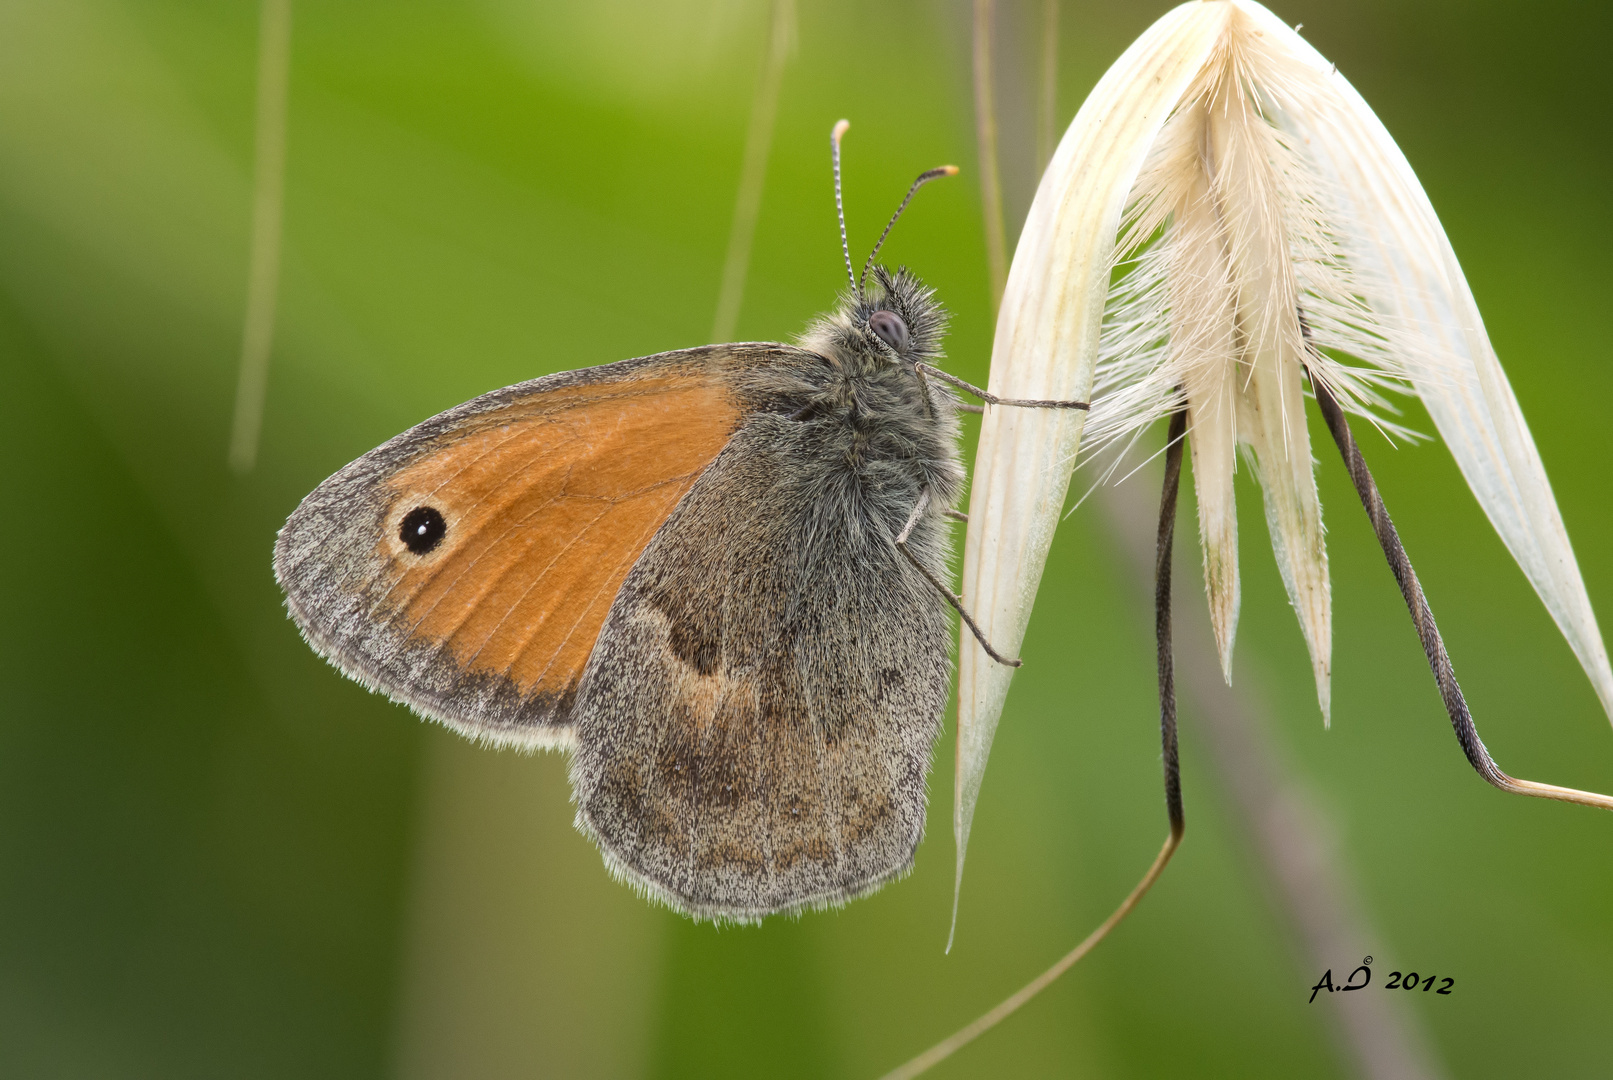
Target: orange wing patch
547	507
525	510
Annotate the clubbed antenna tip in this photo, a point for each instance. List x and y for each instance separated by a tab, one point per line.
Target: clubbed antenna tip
924	178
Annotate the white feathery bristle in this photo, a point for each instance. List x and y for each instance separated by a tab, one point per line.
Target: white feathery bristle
1226	247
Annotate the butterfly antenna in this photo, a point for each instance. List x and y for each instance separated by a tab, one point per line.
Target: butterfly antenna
840	207
924	178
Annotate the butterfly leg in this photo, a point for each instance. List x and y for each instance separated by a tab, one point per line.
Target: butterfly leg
992	399
951	597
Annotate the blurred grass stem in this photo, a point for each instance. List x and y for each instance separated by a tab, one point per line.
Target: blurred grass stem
268	203
991	191
753	173
1047	97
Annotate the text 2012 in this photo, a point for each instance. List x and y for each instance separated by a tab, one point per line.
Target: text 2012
1361	978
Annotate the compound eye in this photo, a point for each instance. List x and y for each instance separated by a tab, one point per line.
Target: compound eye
890	328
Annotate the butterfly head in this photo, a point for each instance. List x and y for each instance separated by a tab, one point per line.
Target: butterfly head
897	318
893	323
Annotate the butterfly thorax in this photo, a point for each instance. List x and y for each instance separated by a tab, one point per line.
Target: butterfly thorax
868	404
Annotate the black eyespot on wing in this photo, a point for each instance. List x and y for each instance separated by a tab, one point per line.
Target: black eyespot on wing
890	328
423	529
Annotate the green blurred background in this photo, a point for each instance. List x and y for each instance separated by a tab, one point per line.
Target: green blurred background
218	858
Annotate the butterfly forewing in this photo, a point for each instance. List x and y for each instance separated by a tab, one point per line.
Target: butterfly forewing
466	566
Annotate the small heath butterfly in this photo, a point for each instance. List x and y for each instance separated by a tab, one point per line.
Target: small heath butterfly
714	575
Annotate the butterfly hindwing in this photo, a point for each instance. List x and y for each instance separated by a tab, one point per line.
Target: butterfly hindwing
465	567
754	730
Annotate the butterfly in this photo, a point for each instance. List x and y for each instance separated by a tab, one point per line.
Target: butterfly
714	575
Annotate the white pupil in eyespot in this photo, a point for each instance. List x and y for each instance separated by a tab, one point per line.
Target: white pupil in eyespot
422	529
